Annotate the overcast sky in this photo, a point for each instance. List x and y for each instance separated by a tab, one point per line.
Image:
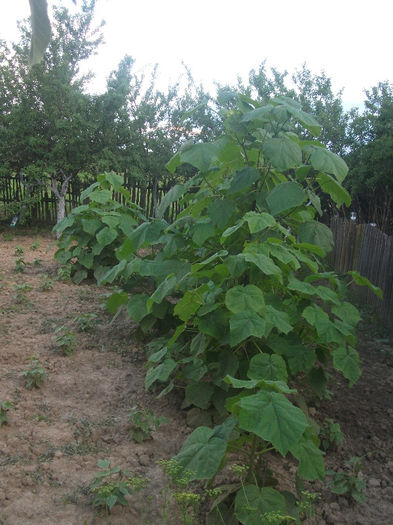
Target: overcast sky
220	39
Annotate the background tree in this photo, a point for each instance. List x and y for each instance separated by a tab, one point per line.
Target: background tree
370	158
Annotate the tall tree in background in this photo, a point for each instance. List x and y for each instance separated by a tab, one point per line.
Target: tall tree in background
47	129
370	160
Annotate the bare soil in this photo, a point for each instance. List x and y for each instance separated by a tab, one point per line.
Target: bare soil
56	433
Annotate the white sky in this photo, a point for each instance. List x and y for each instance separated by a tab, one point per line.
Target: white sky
351	40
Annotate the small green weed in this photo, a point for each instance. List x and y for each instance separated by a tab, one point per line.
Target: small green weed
331	436
19	251
306	505
46	283
143	423
8	236
37	262
347	483
5	407
20	265
35	375
110	486
20	292
64	273
86	322
34	246
65	340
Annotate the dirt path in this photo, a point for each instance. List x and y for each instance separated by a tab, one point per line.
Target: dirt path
50	447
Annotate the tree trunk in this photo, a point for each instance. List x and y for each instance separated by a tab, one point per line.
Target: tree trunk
61	195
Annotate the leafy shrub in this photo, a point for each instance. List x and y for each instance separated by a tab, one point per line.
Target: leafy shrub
86	322
331	435
91	232
5	407
348	483
65	340
247	312
111	485
143	423
35	375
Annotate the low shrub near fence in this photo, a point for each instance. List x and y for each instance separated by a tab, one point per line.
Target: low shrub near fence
364	248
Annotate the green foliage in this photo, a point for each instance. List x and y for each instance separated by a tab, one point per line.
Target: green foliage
238	290
348	483
19	250
92	232
46	283
34	246
65	340
20	265
86	322
112	485
143	422
20	292
5	407
64	273
331	435
35	375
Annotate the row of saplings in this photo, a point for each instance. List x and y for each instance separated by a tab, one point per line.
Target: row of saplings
240	307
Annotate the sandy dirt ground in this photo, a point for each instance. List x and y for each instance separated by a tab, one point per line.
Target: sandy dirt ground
56	434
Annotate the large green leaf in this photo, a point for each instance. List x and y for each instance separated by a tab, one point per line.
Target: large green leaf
307	120
201	155
283	153
244	325
363	281
189	304
263	262
244	298
346	360
311	465
90	226
106	236
273	418
300	358
136	307
259	221
253	505
257	114
160	373
277	319
198	394
202	232
40	30
101	196
203	450
243	179
347	312
313	232
173	195
220	211
326	330
165	288
328	162
334	189
285	196
266	366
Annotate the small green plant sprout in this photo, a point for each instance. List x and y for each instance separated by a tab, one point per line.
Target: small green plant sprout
111	485
86	322
306	505
5	407
34	246
331	436
20	265
37	262
19	251
20	292
35	375
143	423
46	283
64	273
65	340
348	483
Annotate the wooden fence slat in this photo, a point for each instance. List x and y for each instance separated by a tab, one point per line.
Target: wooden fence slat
369	251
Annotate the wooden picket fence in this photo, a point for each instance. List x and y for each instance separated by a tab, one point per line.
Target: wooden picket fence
366	249
44	207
